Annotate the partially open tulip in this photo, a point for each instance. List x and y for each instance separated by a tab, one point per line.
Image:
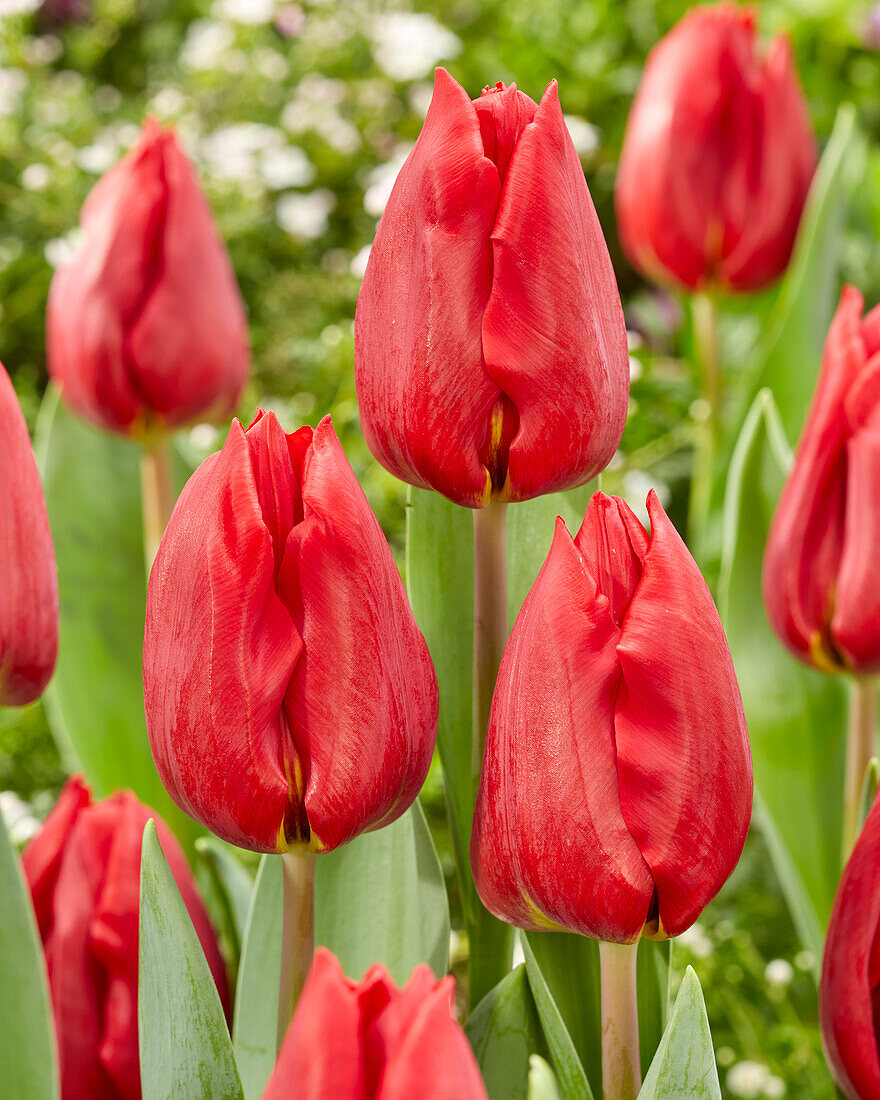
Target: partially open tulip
820	566
616	788
718	156
28	582
290	696
83	870
849	992
145	325
490	349
369	1040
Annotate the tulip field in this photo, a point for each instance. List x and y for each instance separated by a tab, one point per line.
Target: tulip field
439	603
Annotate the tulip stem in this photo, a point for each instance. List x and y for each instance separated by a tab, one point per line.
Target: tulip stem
621	1066
859	750
298	936
707	347
157	494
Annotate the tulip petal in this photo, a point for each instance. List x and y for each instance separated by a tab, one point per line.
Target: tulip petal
683	756
362	700
565	367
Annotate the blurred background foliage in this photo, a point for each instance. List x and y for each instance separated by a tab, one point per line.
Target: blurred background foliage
298	116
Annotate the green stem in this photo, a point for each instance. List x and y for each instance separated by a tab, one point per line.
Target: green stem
708	352
157	494
621	1068
298	943
859	750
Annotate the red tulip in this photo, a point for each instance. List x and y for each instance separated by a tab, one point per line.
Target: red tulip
616	788
290	697
369	1040
28	584
820	581
717	158
490	349
83	869
145	326
849	992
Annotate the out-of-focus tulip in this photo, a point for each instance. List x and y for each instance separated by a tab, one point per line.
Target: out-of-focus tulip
490	349
849	992
616	788
28	584
820	566
83	869
369	1040
290	696
145	326
717	158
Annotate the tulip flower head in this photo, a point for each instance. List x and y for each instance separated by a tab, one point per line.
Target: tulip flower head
369	1040
717	158
83	870
849	991
290	697
820	577
616	788
490	348
28	582
145	326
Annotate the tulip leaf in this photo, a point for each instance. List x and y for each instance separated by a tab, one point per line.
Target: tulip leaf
653	963
504	1031
27	1040
685	1061
255	1020
95	703
542	1080
869	789
382	898
185	1048
795	716
227	888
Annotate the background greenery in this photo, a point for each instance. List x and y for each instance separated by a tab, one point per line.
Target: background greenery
297	116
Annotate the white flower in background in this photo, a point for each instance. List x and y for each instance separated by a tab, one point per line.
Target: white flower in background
407	45
102	154
231	152
61	250
778	972
314	107
271	64
774	1089
244	11
12	84
306	215
286	167
167	102
584	135
694	938
17	7
206	44
420	96
635	489
380	182
748	1079
108	98
42	50
20	820
127	133
36	177
358	265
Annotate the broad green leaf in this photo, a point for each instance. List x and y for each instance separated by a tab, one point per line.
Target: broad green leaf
573	1083
382	898
542	1081
255	1021
185	1048
228	890
27	1039
795	716
684	1065
653	991
504	1030
95	703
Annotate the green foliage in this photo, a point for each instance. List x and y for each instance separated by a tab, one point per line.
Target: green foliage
685	1061
505	1031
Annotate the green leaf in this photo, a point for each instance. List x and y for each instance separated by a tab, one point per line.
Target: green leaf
869	789
382	898
684	1065
653	991
185	1049
27	1038
255	1021
504	1030
573	1083
95	703
795	716
542	1081
227	891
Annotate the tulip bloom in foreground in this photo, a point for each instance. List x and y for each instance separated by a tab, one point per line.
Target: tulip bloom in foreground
717	158
849	992
820	566
145	325
490	349
616	788
369	1040
28	584
290	696
83	870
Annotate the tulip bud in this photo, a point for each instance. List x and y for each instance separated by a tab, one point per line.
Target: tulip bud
717	158
145	325
28	583
290	697
83	870
490	349
820	579
849	992
616	788
369	1039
